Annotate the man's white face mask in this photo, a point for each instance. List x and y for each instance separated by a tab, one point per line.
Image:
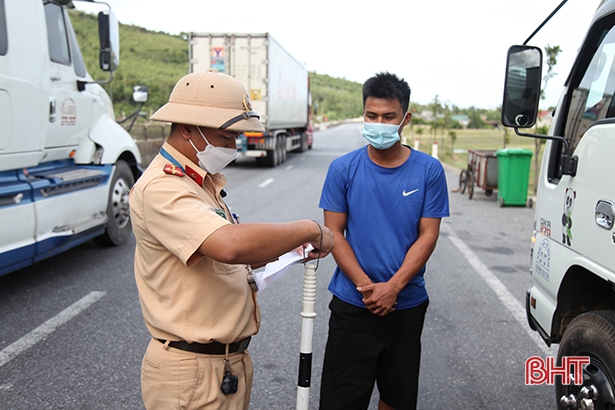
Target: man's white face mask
214	159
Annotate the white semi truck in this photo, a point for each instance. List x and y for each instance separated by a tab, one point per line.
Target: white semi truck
277	83
572	300
66	166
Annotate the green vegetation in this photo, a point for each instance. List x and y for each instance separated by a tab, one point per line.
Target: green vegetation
335	98
465	139
157	60
153	59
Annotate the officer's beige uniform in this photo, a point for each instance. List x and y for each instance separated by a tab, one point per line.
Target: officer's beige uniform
186	296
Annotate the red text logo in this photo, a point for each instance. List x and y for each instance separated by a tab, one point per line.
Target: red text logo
539	370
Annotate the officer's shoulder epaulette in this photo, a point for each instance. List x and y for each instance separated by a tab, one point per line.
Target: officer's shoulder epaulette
173	170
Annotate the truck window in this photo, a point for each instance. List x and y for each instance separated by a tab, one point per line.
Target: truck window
56	34
78	62
592	84
4	42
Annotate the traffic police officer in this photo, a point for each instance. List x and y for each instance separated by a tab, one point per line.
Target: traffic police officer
193	258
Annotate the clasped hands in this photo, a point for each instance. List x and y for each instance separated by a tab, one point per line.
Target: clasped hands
379	298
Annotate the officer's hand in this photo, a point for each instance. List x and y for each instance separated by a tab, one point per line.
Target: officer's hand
323	244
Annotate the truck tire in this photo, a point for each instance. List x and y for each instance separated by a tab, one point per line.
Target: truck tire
303	143
282	148
271	160
590	334
118	228
278	155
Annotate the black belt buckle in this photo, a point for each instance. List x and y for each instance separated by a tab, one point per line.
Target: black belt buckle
243	345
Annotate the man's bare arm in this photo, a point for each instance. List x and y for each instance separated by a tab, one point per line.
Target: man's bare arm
344	255
259	243
381	297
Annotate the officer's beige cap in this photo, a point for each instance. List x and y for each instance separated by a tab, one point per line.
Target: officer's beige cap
210	99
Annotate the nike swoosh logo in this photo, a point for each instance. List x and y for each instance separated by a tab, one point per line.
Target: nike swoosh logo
409	193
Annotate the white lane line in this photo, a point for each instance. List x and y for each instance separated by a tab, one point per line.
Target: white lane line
44	330
266	182
507	298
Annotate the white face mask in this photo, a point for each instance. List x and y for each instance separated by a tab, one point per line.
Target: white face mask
382	135
214	159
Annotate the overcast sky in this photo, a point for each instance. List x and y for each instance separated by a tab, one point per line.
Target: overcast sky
455	49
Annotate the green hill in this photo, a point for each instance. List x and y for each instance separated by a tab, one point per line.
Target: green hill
157	60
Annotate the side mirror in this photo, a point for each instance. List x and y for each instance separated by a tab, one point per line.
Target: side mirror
109	34
140	94
522	87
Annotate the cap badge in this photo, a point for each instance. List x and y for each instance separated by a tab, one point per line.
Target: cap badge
247	104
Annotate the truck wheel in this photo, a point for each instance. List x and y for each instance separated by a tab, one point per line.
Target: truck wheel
271	160
304	142
118	211
590	334
282	149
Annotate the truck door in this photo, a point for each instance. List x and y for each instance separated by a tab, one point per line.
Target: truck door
584	204
70	108
19	86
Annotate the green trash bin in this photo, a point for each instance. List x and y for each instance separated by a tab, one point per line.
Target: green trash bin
513	176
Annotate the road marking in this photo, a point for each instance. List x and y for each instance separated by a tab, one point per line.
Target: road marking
6	387
40	333
266	182
507	298
288	168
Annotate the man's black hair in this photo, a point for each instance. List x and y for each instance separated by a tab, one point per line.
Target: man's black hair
387	85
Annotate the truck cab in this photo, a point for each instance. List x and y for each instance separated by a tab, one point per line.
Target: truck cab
66	166
572	300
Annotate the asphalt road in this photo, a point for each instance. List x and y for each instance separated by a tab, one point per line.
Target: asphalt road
72	335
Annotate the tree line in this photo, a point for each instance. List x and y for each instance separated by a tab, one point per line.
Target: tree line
157	60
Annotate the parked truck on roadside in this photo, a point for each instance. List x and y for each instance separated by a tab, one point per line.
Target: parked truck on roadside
278	87
572	300
66	166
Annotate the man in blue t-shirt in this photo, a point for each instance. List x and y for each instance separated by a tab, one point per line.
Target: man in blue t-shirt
383	204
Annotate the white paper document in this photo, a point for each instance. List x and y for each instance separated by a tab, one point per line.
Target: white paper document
276	270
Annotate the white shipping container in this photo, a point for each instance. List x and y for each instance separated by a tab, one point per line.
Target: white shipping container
277	83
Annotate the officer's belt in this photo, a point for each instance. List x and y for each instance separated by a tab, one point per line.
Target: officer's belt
210	348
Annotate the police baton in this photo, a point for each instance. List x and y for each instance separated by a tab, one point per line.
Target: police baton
307	335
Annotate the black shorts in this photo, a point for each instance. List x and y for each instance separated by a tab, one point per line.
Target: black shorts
363	348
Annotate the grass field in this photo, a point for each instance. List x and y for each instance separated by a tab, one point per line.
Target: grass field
487	139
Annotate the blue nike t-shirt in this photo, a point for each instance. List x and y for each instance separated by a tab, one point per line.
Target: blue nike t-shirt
383	207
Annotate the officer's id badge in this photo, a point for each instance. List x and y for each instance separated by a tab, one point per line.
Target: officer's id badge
220	212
